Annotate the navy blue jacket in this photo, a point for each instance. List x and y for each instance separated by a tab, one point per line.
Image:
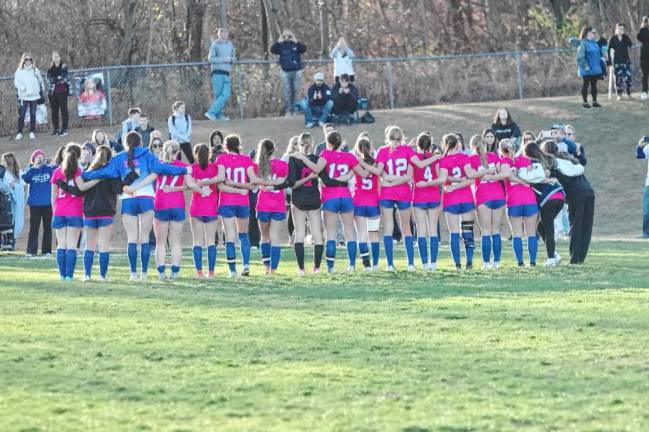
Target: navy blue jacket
290	54
40	186
326	95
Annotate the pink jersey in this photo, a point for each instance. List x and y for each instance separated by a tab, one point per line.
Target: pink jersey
519	194
486	190
338	164
236	170
454	165
274	201
426	194
66	204
170	200
366	191
395	162
206	203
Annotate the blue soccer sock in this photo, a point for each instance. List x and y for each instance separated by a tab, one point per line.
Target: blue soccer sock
455	248
330	253
410	249
434	249
145	255
175	269
352	248
265	253
486	248
88	259
275	256
230	256
211	258
423	250
198	258
60	262
104	259
131	251
497	243
469	241
517	245
388	244
162	269
532	248
70	262
365	254
244	245
376	253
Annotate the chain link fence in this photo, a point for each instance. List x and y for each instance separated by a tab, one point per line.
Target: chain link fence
386	82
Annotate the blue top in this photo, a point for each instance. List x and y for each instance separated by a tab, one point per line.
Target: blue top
589	58
40	186
180	127
290	54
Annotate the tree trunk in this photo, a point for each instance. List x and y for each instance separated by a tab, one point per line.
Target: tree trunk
196	13
224	14
324	28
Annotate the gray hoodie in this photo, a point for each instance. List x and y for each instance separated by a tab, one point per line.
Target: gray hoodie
218	51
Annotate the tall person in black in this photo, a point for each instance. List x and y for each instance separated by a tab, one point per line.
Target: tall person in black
643	37
58	90
618	52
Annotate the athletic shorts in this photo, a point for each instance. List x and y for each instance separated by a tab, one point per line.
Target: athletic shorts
137	206
426	205
170	215
206	219
401	205
459	208
97	223
494	204
230	211
523	210
338	205
266	216
367	211
59	222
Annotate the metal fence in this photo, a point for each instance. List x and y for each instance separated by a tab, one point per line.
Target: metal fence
387	83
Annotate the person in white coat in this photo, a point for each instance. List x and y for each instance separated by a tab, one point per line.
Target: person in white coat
342	56
29	85
14	184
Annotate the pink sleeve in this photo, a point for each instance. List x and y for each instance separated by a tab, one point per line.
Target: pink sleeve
352	161
282	169
381	157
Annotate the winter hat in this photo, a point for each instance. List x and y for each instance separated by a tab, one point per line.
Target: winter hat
319	76
37	153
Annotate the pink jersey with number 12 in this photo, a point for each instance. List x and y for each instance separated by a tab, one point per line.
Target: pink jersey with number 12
338	164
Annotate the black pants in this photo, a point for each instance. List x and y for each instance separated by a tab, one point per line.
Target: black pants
59	103
545	226
187	150
592	81
36	214
253	226
581	213
23	106
644	65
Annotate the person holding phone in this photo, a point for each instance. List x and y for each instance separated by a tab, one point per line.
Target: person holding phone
290	53
642	152
38	176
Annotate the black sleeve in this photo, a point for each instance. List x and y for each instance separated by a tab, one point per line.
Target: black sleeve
274	49
301	48
289	181
328	181
116	185
582	156
74	190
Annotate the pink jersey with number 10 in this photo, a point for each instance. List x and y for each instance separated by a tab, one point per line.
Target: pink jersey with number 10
206	203
273	201
487	190
395	162
426	194
338	164
454	165
236	170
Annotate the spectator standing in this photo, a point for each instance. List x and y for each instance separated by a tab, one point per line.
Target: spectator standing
643	37
29	85
290	53
505	127
618	52
642	152
144	129
16	186
58	91
221	58
343	57
132	122
180	130
317	102
589	60
345	96
38	176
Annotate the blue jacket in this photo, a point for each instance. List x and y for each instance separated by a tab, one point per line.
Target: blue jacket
145	163
290	54
40	186
180	128
589	58
326	95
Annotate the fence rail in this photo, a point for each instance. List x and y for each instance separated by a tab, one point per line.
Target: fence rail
400	82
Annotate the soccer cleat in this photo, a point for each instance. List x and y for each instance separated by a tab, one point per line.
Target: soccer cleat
411	268
232	275
551	262
596	105
469	266
300	273
350	269
210	275
532	264
496	265
245	272
19	137
375	268
458	267
486	266
367	269
316	270
85	278
432	267
200	275
102	279
133	277
144	277
390	269
32	136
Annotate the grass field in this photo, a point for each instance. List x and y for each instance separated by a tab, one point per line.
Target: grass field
520	349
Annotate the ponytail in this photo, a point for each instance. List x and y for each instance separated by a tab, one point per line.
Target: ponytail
169	150
132	139
232	143
334	140
478	146
363	148
265	150
450	143
424	142
202	155
70	164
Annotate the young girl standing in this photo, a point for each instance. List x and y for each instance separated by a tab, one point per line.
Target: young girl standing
367	212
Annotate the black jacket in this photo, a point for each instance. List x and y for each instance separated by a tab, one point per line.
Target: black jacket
506	131
99	201
290	54
324	90
576	188
345	102
58	80
643	37
621	48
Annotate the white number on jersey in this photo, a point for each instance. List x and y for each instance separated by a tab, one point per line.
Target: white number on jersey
428	173
342	170
238	175
366	184
397	167
457	172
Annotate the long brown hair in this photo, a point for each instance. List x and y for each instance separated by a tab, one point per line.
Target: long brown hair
533	151
477	145
550	147
132	140
102	157
202	154
58	156
424	142
11	163
450	142
363	148
497	117
265	150
22	60
232	143
334	140
70	164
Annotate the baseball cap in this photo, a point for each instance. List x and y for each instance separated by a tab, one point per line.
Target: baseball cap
319	76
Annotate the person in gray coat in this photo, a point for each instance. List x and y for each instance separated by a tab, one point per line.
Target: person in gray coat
221	58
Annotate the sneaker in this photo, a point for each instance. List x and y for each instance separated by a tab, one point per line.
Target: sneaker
300	273
432	267
210	116
134	277
412	268
32	136
316	270
310	125
375	268
245	272
496	265
200	275
469	266
532	264
367	269
550	262
557	258
63	132
586	105
643	96
174	276
351	269
55	132
223	118
596	105
521	264
210	275
19	137
486	266
85	278
29	255
458	267
69	278
102	279
390	269
144	276
232	275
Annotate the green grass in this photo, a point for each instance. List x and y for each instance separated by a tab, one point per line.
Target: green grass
521	349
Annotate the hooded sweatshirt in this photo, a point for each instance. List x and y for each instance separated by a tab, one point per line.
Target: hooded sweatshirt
28	82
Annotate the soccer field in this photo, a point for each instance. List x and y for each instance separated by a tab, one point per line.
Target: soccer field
518	349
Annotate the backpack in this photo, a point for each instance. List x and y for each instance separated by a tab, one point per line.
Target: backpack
367	118
118	135
173	121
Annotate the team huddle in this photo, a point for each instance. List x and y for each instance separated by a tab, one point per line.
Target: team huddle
361	188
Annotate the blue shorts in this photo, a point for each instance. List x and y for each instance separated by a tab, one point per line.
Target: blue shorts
367	211
238	211
494	204
206	219
170	215
401	205
59	222
266	216
460	208
524	210
338	205
97	223
137	206
426	206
